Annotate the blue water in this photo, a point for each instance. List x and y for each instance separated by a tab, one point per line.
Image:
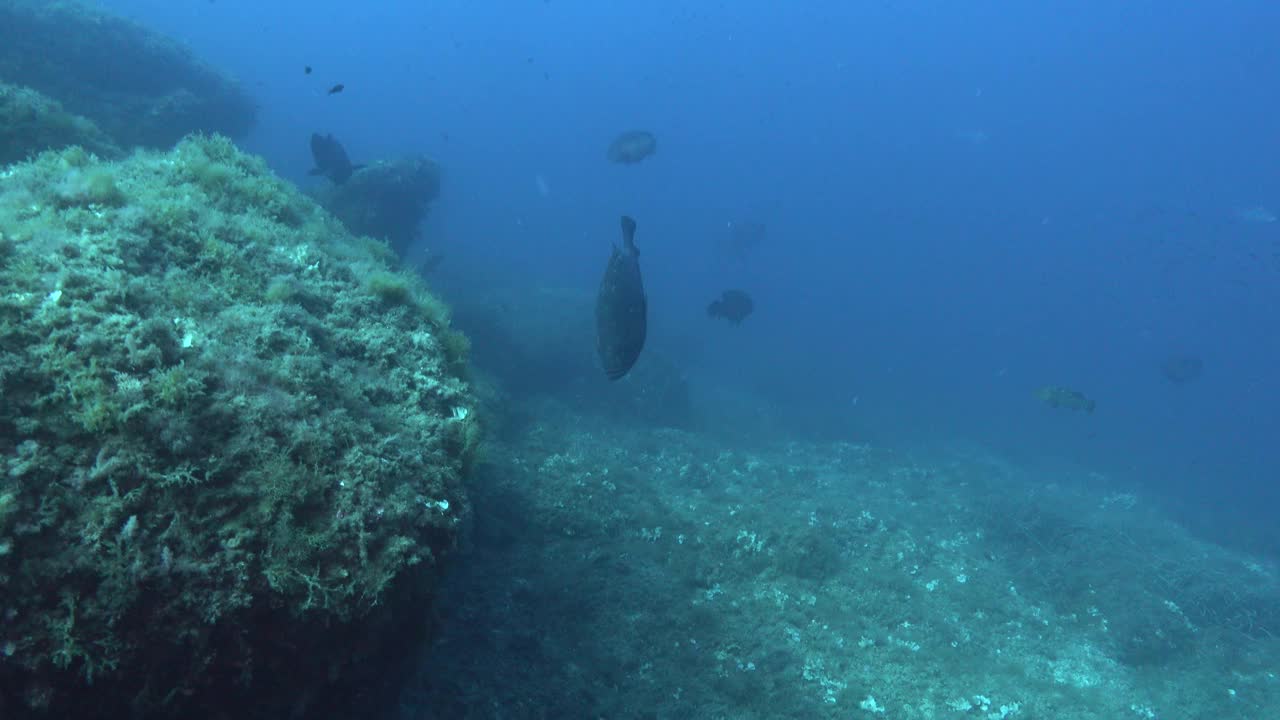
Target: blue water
964	201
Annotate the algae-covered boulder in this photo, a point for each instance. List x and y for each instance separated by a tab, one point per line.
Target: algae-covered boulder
387	200
31	123
140	87
232	440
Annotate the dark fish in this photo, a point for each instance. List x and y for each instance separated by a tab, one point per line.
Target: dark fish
331	159
306	70
1059	397
337	89
1182	369
632	146
733	305
621	307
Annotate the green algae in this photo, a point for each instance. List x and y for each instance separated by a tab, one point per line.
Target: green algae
219	408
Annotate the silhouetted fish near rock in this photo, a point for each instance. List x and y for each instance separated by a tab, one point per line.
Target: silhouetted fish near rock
621	307
331	159
632	146
1056	396
733	305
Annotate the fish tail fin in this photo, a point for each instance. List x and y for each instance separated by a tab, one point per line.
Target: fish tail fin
629	234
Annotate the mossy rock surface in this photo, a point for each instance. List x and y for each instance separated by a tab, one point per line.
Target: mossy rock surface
232	441
387	200
31	123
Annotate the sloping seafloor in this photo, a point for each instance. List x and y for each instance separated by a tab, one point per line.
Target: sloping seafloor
630	572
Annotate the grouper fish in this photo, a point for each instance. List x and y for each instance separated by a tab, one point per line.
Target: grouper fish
632	146
621	307
733	305
331	159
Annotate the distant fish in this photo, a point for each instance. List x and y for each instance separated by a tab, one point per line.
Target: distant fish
632	146
331	159
1056	396
621	307
306	70
733	305
337	89
1182	369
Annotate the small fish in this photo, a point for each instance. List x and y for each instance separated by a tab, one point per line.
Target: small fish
733	305
306	70
632	146
1056	396
337	89
621	307
331	159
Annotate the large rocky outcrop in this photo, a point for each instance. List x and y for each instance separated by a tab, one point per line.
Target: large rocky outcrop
232	444
139	87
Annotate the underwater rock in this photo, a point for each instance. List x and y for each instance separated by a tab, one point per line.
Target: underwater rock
139	87
31	123
656	393
232	445
387	200
535	340
538	341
